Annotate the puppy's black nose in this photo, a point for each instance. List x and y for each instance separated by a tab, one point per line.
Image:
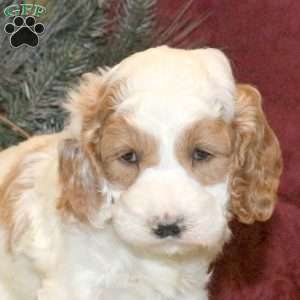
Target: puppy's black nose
165	230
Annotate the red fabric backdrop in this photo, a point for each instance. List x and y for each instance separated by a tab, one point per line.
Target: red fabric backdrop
262	40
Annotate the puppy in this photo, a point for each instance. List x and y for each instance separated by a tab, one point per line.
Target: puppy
133	199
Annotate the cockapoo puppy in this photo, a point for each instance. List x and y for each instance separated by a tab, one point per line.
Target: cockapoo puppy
133	198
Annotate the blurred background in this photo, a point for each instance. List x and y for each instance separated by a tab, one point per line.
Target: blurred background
261	39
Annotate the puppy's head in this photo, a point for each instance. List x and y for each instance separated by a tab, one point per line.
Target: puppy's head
172	147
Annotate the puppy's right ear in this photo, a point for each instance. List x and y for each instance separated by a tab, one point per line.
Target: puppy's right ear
80	180
80	174
89	104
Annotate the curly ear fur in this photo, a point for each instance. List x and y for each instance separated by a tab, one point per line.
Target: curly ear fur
80	172
257	162
80	180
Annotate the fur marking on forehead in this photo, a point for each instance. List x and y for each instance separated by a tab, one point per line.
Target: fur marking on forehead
204	75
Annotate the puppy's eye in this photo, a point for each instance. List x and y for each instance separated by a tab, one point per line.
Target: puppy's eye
129	157
200	155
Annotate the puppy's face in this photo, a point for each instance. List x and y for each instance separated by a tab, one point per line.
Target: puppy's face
166	146
168	173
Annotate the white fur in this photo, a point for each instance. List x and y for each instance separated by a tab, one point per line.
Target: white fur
119	258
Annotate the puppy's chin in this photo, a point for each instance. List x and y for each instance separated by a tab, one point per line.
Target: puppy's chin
173	248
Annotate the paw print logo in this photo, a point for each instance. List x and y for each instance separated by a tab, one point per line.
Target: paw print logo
24	32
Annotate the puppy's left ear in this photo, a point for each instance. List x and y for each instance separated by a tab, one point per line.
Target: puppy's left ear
80	180
257	162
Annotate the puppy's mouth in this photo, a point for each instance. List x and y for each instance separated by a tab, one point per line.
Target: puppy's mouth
172	245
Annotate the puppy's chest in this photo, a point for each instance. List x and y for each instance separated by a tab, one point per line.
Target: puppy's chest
100	262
